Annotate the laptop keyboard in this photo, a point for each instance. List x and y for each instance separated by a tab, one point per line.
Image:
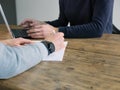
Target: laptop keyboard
20	33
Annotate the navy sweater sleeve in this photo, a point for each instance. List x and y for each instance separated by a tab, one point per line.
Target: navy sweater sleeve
101	21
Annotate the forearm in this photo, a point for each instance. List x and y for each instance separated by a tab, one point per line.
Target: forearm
90	30
15	60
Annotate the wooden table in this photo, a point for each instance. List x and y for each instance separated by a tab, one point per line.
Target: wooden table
88	64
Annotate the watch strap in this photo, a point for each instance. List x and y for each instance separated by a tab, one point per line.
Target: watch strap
50	46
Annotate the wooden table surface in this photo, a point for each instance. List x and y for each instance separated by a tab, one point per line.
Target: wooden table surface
88	64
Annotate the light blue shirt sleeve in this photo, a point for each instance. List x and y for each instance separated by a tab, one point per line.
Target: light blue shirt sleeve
15	60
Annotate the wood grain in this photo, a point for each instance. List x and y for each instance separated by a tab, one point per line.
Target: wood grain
88	64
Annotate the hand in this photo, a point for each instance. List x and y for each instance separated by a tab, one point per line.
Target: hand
16	42
57	39
42	31
30	23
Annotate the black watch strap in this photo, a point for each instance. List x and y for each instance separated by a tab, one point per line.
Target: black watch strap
50	46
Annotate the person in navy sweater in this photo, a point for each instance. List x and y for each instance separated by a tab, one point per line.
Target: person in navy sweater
87	18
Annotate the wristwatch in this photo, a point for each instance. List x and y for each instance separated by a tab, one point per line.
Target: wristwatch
50	46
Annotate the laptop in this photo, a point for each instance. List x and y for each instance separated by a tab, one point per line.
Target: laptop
15	33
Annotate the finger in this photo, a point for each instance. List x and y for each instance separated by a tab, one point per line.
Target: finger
22	40
25	26
27	41
34	23
34	31
60	34
38	26
27	20
36	35
24	22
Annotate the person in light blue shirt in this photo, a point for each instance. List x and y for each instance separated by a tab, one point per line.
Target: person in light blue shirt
19	55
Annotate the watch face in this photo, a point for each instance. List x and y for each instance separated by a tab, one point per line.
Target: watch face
51	47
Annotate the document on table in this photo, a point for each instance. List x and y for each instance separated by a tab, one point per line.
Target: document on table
56	56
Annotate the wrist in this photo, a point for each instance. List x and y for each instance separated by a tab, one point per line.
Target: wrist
50	46
4	42
56	29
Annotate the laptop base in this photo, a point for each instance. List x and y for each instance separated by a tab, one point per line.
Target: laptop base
20	33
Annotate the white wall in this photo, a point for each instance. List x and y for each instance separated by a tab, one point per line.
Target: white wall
116	14
38	9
